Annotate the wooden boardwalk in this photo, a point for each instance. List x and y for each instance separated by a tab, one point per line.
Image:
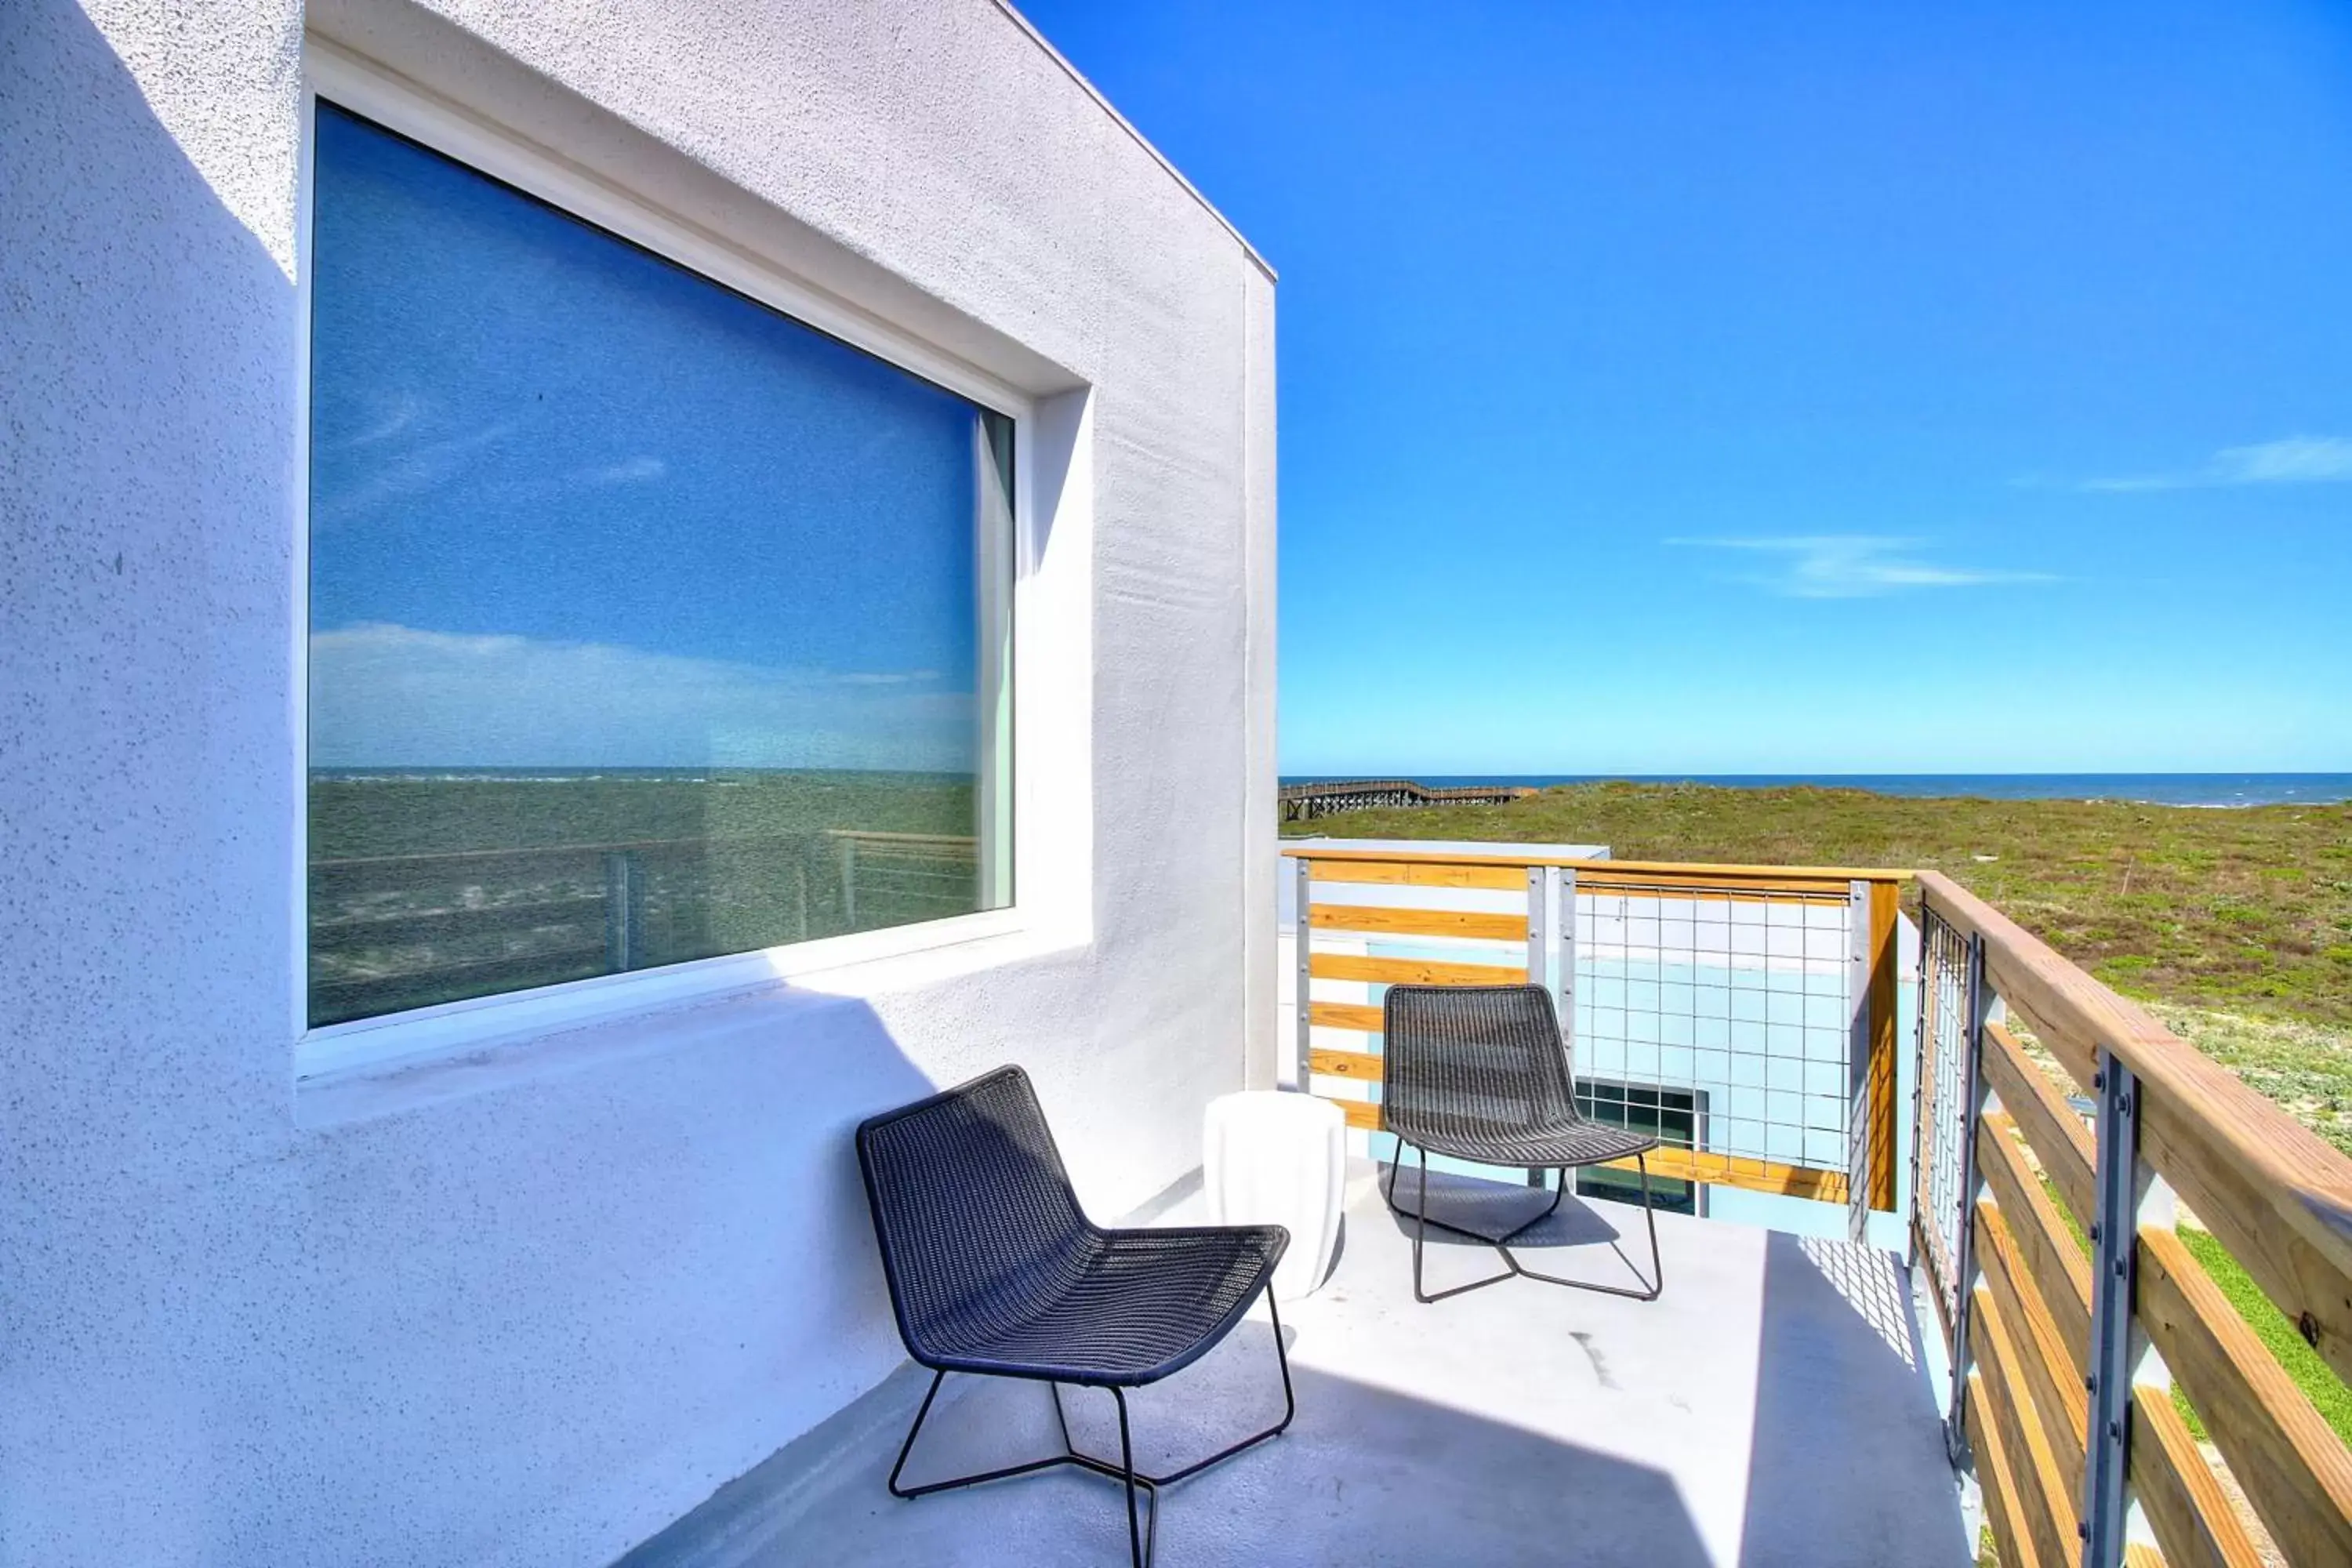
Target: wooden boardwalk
1307	801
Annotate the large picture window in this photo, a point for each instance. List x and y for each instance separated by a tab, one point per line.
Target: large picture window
647	624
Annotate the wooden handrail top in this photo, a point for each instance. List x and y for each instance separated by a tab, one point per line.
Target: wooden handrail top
1366	786
549	851
876	835
2309	1183
1684	871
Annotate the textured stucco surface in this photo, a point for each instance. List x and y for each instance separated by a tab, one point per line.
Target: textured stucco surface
533	1320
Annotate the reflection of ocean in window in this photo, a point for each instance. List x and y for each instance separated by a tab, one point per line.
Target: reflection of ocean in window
646	623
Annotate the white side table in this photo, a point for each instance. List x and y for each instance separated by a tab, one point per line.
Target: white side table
1274	1157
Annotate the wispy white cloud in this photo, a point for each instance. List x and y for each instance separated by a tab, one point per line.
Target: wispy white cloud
1854	566
407	470
2294	461
2297	459
394	696
417	470
628	471
392	414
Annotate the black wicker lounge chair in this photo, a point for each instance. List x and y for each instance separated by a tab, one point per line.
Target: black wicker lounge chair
1481	1073
994	1268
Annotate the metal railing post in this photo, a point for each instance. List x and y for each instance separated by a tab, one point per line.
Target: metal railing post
1566	905
1538	966
1964	1249
1302	943
625	903
2115	1257
1857	1061
1539	956
1928	923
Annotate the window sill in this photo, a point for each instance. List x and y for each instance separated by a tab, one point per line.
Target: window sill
353	1071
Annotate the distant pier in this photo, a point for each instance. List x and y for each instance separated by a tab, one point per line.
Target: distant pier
1307	801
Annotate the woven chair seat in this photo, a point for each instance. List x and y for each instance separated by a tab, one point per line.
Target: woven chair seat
1538	1148
1127	1307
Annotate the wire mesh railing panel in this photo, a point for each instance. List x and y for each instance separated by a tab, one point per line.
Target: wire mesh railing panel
1939	1150
1734	1006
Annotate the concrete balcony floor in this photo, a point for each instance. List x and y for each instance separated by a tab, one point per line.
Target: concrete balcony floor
1769	1408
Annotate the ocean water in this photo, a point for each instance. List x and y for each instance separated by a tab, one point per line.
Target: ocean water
2154	789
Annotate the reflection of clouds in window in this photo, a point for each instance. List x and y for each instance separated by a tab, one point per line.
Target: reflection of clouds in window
628	471
388	416
418	470
522	425
390	696
474	464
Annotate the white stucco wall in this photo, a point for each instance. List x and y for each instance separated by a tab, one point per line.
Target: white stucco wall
532	1310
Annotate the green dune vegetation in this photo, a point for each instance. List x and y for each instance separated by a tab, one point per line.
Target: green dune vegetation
2233	926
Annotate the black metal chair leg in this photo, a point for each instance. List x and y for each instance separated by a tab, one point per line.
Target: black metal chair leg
1281	1359
926	1489
1419	1225
1289	1409
1140	1546
1646	1290
908	1446
1422	1221
1142	1527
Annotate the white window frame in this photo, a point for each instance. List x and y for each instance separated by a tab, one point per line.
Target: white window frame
406	1040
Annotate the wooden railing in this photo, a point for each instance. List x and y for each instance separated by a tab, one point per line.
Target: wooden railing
916	876
2070	1303
391	931
1745	1011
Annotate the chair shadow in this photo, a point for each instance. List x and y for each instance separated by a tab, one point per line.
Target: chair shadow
1495	1209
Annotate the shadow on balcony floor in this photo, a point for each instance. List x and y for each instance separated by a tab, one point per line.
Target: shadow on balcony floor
1768	1409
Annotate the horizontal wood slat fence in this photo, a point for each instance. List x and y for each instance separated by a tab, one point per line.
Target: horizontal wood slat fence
2048	1232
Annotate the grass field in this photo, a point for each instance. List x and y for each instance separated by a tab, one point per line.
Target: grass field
2236	925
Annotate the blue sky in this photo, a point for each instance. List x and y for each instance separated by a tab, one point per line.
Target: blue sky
1791	388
